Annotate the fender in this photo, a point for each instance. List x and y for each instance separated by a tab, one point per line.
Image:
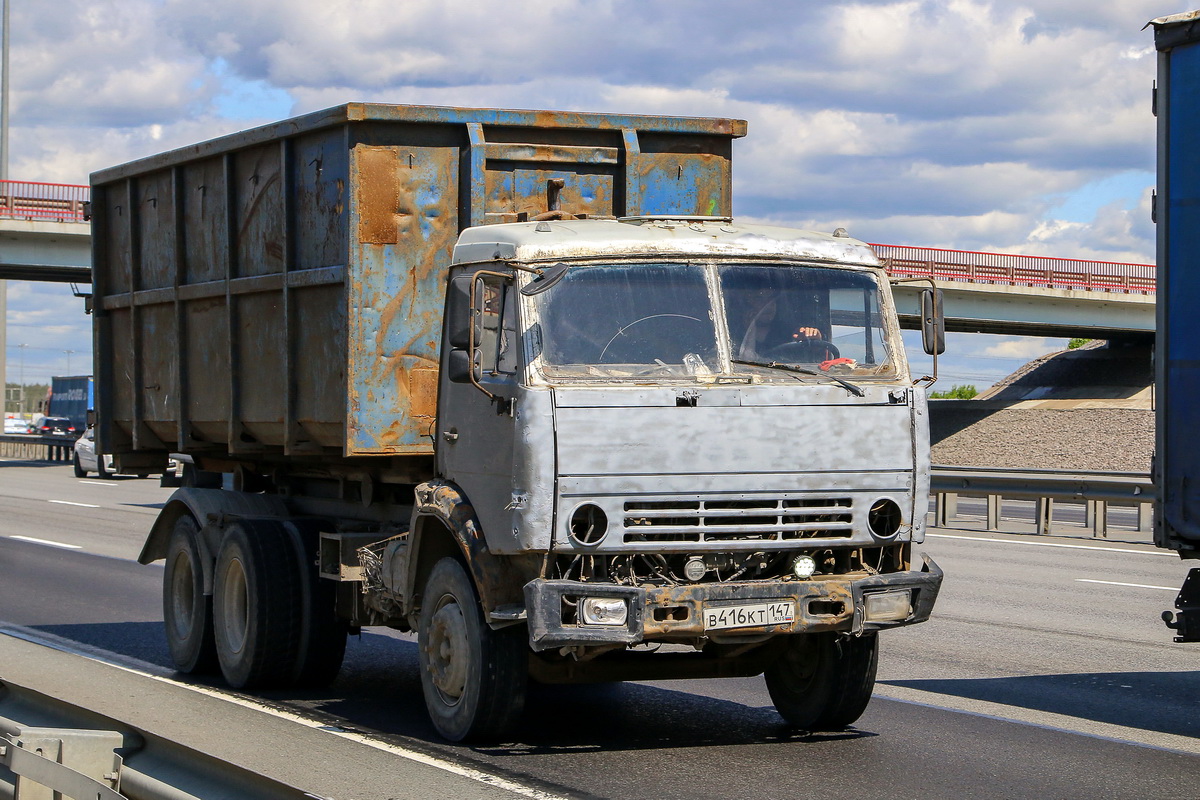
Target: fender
495	579
210	508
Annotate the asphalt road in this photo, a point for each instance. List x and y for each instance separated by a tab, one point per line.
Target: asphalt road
1045	672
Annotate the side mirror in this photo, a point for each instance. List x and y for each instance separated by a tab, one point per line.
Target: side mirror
545	280
933	322
459	316
460	367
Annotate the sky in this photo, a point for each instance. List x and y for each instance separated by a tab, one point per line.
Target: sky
1021	127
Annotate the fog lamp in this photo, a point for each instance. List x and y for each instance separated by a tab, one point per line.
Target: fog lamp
804	566
604	610
695	568
893	606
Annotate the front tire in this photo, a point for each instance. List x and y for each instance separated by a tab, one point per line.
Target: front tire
474	678
823	681
187	611
80	472
257	606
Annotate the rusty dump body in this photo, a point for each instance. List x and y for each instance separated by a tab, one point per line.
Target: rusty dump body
277	294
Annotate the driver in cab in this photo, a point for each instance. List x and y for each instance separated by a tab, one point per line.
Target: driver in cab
767	336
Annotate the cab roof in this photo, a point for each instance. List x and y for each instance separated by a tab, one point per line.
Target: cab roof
657	236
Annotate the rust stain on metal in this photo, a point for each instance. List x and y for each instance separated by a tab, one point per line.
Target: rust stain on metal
422	390
378	194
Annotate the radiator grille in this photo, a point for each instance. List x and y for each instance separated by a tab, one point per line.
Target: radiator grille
768	519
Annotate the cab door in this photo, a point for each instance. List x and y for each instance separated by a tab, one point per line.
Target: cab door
480	365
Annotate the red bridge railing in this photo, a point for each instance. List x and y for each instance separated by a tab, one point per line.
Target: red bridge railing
59	202
1001	268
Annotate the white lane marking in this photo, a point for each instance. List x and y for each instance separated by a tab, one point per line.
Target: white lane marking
108	484
48	542
69	503
1047	720
103	656
1133	585
1052	544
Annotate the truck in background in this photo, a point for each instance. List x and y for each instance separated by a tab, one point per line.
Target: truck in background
1177	348
518	382
71	398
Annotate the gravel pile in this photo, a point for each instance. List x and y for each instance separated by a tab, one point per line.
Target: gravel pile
1107	439
1085	409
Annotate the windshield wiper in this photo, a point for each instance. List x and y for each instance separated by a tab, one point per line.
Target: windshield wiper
850	387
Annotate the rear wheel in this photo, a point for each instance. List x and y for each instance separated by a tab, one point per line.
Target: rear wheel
323	641
80	472
187	611
257	606
474	678
824	681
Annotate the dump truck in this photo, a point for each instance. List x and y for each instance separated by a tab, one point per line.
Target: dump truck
1176	465
519	383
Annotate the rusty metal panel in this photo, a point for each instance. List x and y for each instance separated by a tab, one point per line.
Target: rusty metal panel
678	174
403	224
320	170
207	403
114	219
260	352
156	230
516	188
203	195
258	210
319	339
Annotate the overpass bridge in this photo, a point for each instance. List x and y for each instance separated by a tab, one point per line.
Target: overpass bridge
43	236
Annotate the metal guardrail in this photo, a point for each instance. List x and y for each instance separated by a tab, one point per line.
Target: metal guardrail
78	761
1004	268
1096	490
60	202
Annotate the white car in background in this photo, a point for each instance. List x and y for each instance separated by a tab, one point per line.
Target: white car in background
85	460
15	425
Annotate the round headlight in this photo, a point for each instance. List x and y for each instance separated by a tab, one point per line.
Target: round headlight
804	566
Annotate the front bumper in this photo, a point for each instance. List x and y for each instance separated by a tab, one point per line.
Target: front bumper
676	612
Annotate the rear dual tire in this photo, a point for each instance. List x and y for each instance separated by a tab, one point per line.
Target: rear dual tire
270	621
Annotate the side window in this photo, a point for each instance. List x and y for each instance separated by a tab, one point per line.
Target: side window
497	325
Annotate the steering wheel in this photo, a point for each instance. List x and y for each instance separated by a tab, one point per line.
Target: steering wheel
657	341
802	350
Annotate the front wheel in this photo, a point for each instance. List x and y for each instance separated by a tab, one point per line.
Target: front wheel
80	472
474	678
823	681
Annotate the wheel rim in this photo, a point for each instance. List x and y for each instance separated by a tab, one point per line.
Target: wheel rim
446	651
235	607
183	596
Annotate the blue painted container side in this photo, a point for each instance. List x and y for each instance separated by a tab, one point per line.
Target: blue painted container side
1177	458
280	290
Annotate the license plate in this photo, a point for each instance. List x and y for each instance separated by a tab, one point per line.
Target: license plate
751	615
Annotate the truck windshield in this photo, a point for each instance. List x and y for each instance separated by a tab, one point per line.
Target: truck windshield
629	320
807	315
657	321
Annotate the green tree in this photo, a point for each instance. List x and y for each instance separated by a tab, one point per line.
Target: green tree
955	392
1075	344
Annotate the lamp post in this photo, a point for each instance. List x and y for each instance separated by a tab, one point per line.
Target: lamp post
21	388
68	352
